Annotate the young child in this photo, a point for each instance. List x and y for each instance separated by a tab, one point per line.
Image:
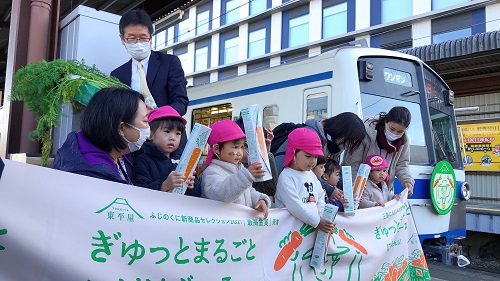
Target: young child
225	178
376	192
329	181
154	169
319	169
297	184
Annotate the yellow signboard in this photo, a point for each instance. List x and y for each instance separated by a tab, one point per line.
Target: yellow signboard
480	145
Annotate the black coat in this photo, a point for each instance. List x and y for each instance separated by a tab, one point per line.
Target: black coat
152	168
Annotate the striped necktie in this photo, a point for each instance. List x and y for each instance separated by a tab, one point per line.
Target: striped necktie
144	87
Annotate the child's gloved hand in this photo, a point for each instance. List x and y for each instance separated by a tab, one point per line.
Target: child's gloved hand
173	180
262	206
256	170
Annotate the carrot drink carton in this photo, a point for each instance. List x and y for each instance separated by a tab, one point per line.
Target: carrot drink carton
348	190
191	154
360	182
318	257
257	151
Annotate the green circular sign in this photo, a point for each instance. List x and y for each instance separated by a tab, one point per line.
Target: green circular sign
443	187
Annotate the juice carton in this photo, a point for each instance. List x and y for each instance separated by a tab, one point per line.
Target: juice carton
360	182
318	257
191	154
348	190
257	151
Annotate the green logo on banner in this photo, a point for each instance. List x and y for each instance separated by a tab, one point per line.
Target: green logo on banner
121	210
443	191
2	232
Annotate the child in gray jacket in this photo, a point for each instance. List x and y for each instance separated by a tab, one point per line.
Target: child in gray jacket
225	178
376	192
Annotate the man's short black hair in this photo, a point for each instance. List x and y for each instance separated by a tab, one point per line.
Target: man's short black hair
135	17
103	115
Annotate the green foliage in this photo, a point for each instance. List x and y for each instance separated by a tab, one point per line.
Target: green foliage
44	86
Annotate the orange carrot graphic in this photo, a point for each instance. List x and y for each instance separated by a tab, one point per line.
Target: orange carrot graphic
261	141
356	183
287	250
435	183
451	183
351	242
192	162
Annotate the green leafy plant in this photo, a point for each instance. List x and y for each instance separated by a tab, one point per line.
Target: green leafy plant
44	86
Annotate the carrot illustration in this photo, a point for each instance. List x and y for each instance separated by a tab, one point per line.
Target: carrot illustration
451	183
351	242
261	141
287	250
356	183
362	188
435	183
192	161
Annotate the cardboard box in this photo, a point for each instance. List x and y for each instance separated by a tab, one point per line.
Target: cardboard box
360	181
257	150
320	249
191	154
348	190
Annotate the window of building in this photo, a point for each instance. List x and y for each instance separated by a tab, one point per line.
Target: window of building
230	11
182	54
257	6
257	43
228	73
438	4
181	30
396	9
160	40
299	31
257	66
202	55
295	57
230	47
334	19
203	23
397	40
201	79
451	27
270	116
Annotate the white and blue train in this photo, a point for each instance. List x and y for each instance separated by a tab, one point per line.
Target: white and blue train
365	81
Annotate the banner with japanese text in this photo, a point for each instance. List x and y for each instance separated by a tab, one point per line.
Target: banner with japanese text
60	226
480	145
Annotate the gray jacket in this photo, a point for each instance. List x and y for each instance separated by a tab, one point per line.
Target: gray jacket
398	161
226	182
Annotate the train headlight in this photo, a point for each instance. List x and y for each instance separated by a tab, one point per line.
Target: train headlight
465	191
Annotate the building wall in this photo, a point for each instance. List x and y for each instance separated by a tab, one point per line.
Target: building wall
412	26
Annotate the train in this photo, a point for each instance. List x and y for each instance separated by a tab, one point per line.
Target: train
365	81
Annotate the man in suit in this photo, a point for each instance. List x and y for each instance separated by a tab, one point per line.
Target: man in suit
166	84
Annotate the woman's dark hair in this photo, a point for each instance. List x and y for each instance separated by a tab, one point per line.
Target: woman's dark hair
330	166
398	114
168	123
104	113
348	128
135	17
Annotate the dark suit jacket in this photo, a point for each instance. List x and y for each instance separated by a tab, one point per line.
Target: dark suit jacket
165	79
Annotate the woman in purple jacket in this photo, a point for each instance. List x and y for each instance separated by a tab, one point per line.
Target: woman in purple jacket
114	124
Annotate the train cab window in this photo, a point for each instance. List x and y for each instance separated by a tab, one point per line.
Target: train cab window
270	116
373	105
316	101
209	115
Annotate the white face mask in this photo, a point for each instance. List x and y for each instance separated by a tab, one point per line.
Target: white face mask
390	136
139	51
143	136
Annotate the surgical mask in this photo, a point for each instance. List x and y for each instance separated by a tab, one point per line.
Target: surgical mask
139	51
390	136
143	136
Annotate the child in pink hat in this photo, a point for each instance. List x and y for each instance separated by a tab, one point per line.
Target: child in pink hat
153	167
225	178
376	192
297	183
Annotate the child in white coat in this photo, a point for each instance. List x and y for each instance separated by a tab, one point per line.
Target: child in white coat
225	178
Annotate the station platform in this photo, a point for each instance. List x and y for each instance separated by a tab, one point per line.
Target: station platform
482	217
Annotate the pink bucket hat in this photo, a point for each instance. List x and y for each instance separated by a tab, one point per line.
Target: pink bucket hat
162	112
222	131
376	162
304	139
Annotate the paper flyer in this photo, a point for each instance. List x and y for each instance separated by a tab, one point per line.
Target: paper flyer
191	154
348	190
257	150
320	249
360	182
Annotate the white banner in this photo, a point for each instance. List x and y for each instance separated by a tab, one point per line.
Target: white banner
60	226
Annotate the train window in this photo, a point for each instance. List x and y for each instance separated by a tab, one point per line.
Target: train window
270	116
373	105
445	144
209	115
317	101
